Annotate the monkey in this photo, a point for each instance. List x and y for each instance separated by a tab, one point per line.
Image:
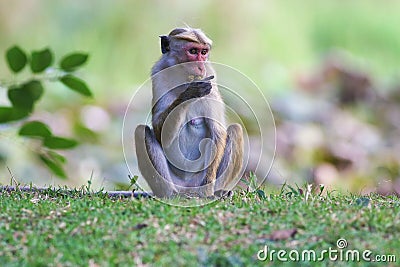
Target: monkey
188	151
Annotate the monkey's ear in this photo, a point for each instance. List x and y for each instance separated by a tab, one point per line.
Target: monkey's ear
164	44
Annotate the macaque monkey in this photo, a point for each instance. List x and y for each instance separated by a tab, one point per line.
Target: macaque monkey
189	151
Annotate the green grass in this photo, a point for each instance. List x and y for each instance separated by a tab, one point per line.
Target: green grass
57	227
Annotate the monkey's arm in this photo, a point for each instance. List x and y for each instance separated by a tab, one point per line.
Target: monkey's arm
193	90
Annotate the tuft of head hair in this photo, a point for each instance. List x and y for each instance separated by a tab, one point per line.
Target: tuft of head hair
191	35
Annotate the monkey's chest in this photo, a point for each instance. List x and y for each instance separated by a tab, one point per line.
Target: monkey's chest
196	123
193	130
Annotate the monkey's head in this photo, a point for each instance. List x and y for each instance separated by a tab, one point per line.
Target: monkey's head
187	45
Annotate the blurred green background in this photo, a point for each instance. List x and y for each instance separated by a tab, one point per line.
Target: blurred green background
285	47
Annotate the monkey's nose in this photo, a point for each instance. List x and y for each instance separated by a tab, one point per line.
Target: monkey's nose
200	69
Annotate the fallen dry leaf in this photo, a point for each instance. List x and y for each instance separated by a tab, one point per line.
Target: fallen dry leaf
92	263
140	226
283	234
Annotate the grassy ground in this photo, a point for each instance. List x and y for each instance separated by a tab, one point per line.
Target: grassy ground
63	228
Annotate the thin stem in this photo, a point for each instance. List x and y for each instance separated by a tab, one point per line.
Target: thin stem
53	74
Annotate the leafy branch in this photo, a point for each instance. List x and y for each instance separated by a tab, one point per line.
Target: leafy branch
24	95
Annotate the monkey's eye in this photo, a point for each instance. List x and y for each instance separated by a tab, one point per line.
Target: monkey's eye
204	52
193	51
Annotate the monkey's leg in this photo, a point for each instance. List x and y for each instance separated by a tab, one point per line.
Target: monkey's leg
231	163
219	137
152	162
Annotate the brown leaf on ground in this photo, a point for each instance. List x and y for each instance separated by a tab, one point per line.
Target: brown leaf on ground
92	263
283	234
140	226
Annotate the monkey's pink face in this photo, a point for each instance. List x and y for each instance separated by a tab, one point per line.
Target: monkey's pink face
197	53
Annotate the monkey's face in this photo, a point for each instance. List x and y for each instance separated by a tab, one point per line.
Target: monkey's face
198	54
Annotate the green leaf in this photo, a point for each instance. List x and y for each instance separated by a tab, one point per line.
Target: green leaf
73	61
40	60
20	99
363	201
24	96
35	129
133	179
16	58
56	142
34	88
54	164
244	180
261	194
85	134
57	156
8	114
76	84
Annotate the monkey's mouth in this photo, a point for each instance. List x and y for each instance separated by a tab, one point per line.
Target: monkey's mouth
199	69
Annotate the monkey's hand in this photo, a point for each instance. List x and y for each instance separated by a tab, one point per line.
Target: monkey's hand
197	89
